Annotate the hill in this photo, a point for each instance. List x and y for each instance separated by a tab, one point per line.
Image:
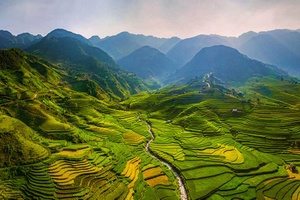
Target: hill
186	49
93	67
225	63
22	41
125	43
19	144
148	62
23	74
68	49
278	47
61	33
53	137
231	132
275	47
224	139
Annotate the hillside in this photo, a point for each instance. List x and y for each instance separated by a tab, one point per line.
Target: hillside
125	43
148	62
75	125
186	49
226	63
19	144
23	74
279	48
94	67
53	139
275	47
22	41
226	144
62	33
68	49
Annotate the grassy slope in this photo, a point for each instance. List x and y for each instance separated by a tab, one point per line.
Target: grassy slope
91	69
83	147
75	143
225	154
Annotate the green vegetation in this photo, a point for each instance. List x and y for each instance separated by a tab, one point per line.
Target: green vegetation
76	144
62	137
226	145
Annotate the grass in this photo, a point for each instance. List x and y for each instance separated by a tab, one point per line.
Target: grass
17	144
245	147
87	148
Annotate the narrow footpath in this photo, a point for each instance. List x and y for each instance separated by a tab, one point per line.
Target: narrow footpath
183	193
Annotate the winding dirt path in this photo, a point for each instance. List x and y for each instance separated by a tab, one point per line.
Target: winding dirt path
183	193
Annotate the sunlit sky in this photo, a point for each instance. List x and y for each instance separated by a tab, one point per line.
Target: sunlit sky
161	18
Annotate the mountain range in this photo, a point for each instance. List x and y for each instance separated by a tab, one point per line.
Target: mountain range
95	71
125	43
22	41
278	47
75	122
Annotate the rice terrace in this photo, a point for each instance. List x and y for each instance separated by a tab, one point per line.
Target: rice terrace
198	111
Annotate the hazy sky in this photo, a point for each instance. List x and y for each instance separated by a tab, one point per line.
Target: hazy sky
162	18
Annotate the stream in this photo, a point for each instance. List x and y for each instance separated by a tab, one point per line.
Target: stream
183	193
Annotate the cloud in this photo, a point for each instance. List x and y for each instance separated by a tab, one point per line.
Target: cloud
164	18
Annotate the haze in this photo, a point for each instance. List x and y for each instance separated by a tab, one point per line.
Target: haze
162	18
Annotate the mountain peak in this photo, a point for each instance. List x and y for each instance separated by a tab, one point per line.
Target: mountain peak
148	48
225	62
148	62
61	33
219	49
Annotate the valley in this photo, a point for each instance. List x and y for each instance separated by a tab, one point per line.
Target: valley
75	124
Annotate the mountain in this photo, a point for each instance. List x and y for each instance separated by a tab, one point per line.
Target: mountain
246	36
22	75
63	135
289	38
52	136
168	44
61	33
125	43
276	48
22	41
148	62
93	67
186	49
226	63
61	49
94	39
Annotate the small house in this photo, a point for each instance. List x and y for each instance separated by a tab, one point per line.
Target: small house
235	110
204	86
292	167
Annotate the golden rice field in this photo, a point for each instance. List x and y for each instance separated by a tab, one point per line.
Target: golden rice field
154	175
133	138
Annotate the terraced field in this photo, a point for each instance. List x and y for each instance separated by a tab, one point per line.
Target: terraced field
223	154
97	152
219	166
84	148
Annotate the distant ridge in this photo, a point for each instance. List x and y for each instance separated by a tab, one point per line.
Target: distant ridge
280	47
93	67
186	49
61	33
226	63
22	41
148	62
125	43
69	49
